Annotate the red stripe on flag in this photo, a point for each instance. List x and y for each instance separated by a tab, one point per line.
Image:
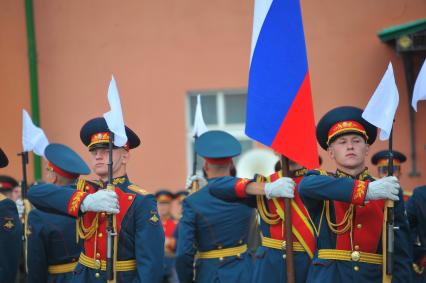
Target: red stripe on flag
296	136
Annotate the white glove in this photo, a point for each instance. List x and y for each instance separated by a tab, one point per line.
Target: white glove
201	181
102	200
20	206
283	187
384	188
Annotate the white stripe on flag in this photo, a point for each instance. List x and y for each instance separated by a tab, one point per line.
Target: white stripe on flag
261	8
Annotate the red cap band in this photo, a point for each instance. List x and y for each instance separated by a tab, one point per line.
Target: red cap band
5	186
219	161
346	126
61	172
103	138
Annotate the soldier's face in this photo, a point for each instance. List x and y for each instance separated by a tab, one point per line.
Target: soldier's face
163	208
349	151
100	159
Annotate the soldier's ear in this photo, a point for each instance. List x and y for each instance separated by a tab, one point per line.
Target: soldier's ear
330	152
367	149
125	156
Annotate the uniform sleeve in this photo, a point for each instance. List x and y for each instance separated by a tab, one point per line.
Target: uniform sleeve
414	214
10	240
315	187
232	190
403	244
149	242
57	199
37	258
186	244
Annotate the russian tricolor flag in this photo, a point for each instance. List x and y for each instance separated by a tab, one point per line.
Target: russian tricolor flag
279	104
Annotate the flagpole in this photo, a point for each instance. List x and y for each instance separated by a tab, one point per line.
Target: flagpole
195	185
24	189
388	225
287	227
110	272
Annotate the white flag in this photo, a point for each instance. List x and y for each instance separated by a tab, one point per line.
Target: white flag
114	118
380	110
33	137
419	92
199	125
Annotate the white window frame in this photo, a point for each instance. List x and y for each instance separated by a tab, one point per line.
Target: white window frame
235	129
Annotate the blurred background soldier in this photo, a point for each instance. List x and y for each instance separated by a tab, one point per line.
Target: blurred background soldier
381	160
164	204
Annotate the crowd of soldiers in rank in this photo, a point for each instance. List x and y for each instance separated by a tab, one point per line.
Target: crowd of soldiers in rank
221	239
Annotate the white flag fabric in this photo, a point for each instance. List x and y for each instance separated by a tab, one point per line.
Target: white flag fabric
199	125
114	118
33	137
419	92
380	110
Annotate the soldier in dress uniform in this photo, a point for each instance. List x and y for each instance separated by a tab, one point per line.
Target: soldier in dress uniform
381	160
53	250
179	197
270	263
211	229
10	231
347	207
416	211
164	201
9	187
139	244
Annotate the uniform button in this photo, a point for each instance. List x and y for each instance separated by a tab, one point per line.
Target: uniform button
103	214
359	226
130	197
219	247
221	259
98	255
284	256
356	268
97	275
356	247
240	242
73	259
100	235
355	256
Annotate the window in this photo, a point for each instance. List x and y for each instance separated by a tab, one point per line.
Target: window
222	110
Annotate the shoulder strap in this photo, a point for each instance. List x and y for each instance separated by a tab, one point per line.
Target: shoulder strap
137	189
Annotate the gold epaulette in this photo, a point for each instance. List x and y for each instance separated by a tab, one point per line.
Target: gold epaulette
2	197
137	189
81	183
